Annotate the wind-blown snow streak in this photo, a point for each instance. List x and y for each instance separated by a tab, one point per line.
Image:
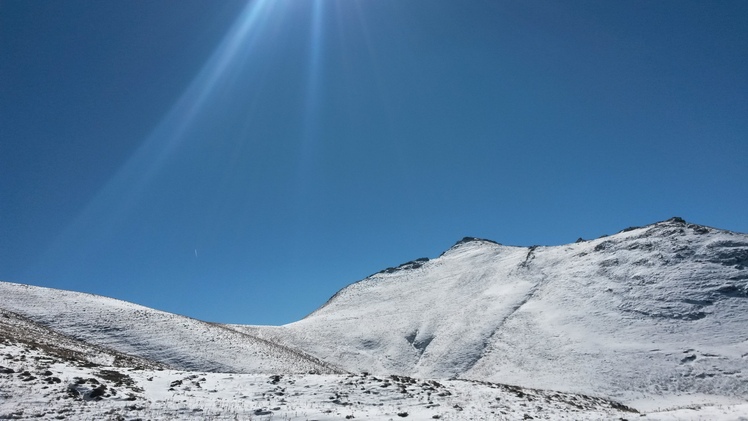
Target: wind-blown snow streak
655	311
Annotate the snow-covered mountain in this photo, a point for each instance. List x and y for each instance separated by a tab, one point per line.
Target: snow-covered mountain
45	374
175	341
656	312
654	317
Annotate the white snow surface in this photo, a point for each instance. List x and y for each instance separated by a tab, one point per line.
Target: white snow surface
176	341
37	384
647	316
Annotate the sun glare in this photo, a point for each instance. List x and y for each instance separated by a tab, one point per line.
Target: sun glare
125	188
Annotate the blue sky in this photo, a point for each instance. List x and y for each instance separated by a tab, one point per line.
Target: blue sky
241	161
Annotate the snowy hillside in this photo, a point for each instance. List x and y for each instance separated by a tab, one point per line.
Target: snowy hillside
22	331
649	315
654	317
53	382
47	375
36	384
169	339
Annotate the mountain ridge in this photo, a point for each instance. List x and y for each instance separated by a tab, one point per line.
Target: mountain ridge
597	299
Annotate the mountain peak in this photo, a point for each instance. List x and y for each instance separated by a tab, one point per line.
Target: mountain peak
675	220
674	226
472	240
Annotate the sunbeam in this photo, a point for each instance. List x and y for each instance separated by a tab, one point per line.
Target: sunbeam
236	45
125	188
312	95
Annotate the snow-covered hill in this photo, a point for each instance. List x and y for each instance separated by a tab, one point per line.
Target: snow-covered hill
654	317
649	315
50	376
175	341
37	384
24	332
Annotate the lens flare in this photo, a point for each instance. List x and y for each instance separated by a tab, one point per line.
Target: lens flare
125	188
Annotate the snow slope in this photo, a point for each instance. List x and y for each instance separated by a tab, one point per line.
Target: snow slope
18	329
37	385
48	381
169	339
651	315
